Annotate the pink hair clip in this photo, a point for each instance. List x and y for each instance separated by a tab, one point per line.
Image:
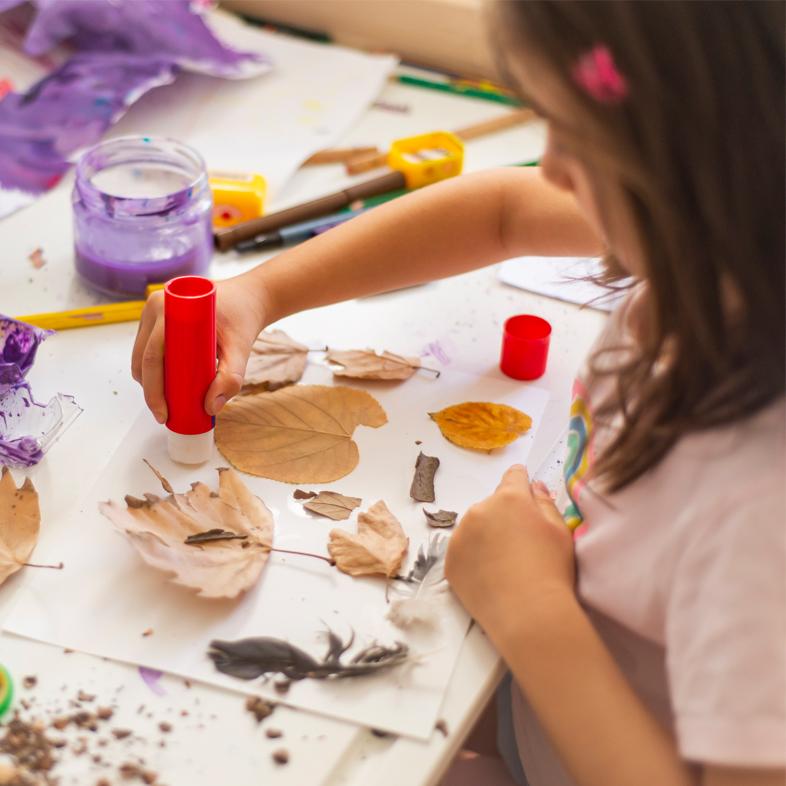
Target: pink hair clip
596	73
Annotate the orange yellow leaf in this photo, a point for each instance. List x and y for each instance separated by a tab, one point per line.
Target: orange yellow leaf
481	425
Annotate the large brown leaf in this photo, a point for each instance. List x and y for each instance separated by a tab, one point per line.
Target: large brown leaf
300	434
378	547
481	425
366	364
222	568
276	360
20	520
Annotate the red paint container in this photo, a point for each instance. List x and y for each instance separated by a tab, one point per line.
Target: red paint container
189	366
525	346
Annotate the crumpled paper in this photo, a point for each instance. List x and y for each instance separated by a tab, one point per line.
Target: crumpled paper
27	428
123	49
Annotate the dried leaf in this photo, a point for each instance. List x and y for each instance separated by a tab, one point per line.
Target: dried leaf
211	535
367	364
250	658
333	505
276	360
481	425
300	494
378	547
20	519
422	488
441	519
159	528
300	434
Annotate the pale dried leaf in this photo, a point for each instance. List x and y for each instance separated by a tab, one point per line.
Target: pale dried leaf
481	425
367	364
333	505
276	360
224	568
378	547
20	520
300	434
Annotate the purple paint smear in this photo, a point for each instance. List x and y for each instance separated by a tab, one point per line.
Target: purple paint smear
151	677
27	428
124	50
437	351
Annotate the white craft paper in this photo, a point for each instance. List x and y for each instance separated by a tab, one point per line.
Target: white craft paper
106	597
560	278
270	124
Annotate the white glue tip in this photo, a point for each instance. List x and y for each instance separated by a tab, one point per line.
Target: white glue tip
190	448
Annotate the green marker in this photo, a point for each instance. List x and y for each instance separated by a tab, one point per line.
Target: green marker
6	691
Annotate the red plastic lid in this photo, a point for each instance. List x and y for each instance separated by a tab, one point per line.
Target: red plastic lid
189	352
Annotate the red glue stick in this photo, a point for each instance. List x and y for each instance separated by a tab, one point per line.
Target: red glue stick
189	366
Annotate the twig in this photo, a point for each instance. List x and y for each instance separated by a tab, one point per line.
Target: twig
59	566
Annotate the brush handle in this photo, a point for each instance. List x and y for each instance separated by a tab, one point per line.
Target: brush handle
229	237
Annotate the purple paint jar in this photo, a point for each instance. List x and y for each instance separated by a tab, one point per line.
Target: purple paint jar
142	214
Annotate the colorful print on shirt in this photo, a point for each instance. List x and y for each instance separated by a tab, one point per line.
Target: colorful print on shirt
579	453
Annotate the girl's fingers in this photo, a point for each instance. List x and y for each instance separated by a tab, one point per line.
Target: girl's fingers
151	313
229	377
514	477
152	372
546	505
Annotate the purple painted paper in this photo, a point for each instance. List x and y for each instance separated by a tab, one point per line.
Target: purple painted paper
27	428
124	50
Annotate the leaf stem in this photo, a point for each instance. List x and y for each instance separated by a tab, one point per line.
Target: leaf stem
318	349
59	566
437	373
302	554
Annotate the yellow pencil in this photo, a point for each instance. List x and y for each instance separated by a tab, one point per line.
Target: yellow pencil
106	314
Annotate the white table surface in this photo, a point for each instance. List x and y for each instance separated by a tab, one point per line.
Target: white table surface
218	742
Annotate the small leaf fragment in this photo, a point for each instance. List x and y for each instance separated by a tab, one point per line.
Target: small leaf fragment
481	425
210	535
367	364
440	519
378	548
276	360
333	505
422	488
300	494
20	520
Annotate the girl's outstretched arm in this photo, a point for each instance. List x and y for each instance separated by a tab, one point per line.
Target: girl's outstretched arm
447	228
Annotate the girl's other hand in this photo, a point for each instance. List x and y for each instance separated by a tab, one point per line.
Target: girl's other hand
240	315
510	552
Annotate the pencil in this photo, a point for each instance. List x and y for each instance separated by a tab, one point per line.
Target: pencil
457	89
105	314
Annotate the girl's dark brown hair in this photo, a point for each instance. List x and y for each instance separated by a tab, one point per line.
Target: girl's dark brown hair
696	154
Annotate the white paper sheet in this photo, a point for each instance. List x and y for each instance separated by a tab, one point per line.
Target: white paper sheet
560	278
106	597
270	124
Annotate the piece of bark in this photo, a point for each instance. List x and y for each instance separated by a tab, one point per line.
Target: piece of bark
422	488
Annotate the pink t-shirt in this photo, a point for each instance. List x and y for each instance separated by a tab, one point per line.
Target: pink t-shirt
684	575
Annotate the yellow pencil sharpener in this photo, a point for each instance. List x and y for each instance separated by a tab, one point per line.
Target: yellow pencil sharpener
236	197
426	158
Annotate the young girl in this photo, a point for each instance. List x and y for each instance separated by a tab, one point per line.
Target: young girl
650	648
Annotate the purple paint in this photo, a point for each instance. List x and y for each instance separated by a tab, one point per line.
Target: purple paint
27	429
437	351
151	678
142	214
